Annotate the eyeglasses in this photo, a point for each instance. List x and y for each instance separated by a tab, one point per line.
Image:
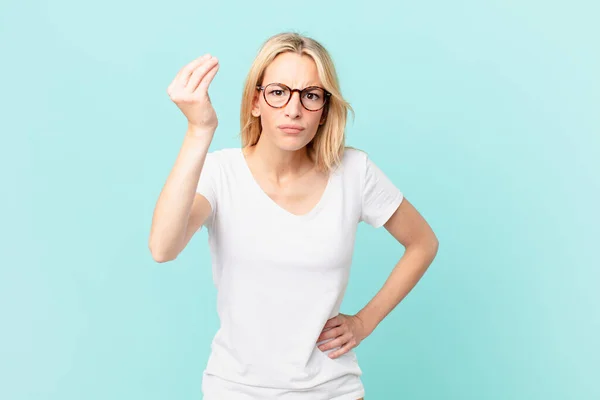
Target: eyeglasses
278	95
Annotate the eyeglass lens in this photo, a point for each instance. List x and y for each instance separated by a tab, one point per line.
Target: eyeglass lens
278	95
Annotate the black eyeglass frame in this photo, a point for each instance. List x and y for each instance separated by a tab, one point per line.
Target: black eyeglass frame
300	92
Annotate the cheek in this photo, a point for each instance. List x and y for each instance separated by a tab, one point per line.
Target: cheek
267	116
314	119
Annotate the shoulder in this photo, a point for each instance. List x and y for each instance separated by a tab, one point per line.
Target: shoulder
354	159
222	156
353	153
358	164
218	162
224	153
352	167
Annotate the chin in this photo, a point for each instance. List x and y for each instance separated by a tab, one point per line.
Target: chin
291	143
291	146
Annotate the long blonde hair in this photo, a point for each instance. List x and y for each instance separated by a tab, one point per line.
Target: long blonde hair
327	147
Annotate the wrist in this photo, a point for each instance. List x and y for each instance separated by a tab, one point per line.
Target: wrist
200	131
196	143
368	324
196	136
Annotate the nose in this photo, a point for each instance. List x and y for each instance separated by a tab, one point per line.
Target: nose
293	109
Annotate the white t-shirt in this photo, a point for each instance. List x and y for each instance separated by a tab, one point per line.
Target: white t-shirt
280	277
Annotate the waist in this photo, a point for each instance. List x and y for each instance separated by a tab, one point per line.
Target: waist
216	387
256	364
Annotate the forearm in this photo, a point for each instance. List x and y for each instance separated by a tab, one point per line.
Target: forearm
171	214
405	275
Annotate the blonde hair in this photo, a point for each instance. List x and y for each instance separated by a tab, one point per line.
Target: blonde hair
327	147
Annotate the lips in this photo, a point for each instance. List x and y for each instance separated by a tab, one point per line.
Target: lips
288	128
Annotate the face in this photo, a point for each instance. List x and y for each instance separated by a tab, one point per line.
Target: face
297	72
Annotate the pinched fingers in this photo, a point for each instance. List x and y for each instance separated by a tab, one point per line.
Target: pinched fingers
184	73
202	76
181	79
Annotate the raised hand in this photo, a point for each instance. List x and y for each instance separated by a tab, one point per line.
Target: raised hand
189	91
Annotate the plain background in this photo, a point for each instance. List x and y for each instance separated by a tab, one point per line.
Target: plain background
484	113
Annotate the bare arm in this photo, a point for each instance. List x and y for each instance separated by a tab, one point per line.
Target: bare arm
180	211
411	230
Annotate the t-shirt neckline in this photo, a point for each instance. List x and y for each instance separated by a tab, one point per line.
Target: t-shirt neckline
268	199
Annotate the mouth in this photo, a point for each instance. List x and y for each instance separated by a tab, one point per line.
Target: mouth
293	130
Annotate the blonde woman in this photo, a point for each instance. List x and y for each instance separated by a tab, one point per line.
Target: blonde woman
282	213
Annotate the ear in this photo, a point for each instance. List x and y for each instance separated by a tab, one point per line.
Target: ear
255	108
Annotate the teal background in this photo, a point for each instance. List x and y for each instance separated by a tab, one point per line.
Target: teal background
485	114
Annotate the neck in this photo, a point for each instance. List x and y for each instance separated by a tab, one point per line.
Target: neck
279	165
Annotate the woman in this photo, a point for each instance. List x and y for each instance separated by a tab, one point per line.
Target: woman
282	213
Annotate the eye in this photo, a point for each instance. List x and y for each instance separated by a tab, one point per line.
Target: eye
277	92
312	96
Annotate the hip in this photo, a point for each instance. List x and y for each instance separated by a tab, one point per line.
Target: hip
218	387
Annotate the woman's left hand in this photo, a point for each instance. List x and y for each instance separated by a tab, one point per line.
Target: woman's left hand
347	332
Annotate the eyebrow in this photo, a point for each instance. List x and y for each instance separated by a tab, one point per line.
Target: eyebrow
307	86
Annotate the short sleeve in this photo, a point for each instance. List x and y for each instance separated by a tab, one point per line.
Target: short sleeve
380	197
207	183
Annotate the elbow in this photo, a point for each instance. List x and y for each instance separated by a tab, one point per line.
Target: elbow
161	259
160	256
427	245
433	244
433	247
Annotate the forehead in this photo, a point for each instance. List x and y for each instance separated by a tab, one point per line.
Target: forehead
294	70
